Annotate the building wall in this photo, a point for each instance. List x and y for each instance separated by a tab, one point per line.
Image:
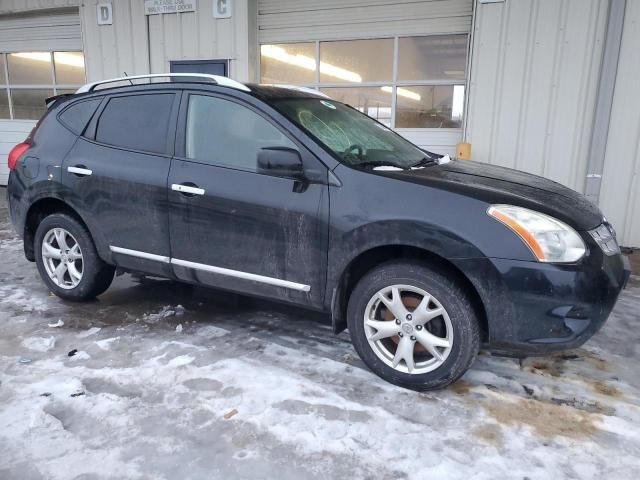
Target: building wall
620	192
533	85
139	44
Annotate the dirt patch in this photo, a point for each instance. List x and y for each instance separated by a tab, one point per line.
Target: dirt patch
605	388
546	419
460	387
548	367
491	434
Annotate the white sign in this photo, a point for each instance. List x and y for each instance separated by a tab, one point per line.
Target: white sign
222	8
154	7
104	13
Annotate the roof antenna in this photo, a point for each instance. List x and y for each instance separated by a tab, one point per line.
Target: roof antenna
125	74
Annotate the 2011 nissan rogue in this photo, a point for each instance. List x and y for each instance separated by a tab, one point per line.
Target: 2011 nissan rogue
283	193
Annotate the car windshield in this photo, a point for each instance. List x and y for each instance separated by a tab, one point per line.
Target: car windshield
354	138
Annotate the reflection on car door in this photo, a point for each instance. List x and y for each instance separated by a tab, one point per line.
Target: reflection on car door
118	172
232	227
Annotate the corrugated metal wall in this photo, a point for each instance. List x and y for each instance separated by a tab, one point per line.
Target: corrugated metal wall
620	194
14	6
111	50
59	30
283	20
533	84
139	44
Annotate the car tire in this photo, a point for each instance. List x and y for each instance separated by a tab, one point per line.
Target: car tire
381	338
67	259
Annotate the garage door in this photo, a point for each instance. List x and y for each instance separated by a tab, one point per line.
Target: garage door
40	55
403	63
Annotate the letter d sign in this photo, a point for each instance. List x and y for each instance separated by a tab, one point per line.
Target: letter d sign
104	12
222	8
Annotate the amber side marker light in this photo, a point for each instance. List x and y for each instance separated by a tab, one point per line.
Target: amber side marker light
520	230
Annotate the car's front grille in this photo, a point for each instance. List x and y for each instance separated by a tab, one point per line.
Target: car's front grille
605	237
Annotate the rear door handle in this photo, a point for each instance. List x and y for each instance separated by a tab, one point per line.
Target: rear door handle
187	189
80	171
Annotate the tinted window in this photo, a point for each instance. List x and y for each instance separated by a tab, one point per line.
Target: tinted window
138	122
78	115
221	132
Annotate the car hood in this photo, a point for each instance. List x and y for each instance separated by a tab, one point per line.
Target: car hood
495	184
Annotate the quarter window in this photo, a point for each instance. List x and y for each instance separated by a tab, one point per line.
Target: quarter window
28	78
137	122
78	115
403	82
221	132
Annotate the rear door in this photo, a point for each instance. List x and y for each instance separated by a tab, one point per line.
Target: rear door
117	175
232	227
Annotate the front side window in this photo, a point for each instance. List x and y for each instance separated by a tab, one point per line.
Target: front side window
28	78
136	122
353	138
222	132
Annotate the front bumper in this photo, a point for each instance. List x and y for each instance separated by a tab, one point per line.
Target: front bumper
537	308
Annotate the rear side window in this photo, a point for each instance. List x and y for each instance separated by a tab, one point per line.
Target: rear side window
137	122
78	115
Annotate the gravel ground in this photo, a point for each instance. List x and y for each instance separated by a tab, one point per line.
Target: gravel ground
171	381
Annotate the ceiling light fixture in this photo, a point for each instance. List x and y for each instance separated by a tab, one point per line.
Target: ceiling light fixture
403	92
61	58
308	63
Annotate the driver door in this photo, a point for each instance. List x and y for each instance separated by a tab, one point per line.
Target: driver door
232	227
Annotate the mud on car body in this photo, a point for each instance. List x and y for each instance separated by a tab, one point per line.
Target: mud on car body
283	193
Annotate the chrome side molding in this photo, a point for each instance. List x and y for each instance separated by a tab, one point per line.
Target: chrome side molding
139	254
244	275
277	282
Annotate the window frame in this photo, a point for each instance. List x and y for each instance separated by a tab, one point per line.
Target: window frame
394	82
7	87
181	132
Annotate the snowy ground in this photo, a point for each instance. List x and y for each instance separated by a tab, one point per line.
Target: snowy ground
174	382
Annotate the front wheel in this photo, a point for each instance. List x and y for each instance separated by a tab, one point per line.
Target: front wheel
67	259
413	326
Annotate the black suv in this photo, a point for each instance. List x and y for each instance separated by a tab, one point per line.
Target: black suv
283	193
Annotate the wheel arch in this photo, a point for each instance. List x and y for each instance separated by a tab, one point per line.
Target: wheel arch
367	260
37	212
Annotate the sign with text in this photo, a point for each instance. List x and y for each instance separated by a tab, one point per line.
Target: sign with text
154	7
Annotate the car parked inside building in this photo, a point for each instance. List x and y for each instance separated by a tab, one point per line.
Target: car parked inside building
283	193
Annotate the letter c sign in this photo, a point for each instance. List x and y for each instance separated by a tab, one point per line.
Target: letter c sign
222	8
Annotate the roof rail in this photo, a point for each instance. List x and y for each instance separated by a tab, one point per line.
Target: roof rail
312	91
217	79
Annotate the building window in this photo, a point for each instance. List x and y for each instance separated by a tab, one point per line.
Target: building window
403	82
28	78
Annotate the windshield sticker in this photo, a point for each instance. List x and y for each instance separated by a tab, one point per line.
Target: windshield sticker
328	104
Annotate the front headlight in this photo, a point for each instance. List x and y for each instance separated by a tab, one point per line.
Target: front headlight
550	240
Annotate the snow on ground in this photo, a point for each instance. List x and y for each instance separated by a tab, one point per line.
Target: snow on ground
249	389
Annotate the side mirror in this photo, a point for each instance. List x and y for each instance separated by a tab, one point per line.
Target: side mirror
281	162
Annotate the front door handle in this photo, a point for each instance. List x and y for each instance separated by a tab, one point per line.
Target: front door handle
80	171
187	189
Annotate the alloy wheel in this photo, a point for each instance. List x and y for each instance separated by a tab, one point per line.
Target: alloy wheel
62	258
408	329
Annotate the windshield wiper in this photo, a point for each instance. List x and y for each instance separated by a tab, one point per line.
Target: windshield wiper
425	162
378	163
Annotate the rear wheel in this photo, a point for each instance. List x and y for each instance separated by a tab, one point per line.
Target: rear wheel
67	259
413	326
